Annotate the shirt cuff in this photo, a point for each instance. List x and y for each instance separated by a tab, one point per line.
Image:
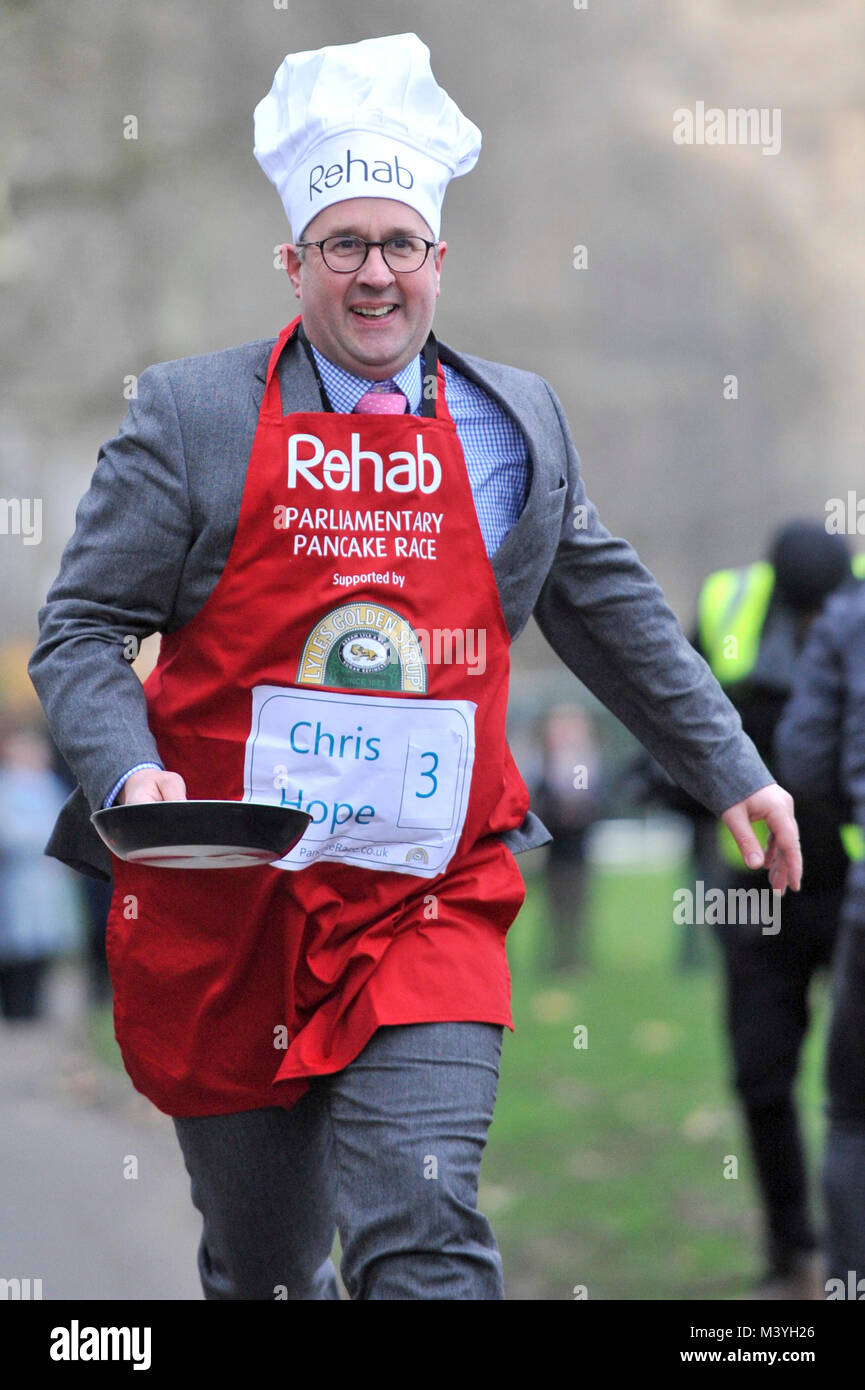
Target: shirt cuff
139	767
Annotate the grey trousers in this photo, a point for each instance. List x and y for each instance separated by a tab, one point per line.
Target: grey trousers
387	1152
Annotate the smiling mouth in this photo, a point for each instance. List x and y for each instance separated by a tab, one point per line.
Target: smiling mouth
379	311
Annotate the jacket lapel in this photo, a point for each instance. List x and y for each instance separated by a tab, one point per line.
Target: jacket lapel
516	552
296	379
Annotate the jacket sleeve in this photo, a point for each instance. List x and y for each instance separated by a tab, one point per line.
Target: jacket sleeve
606	617
117	583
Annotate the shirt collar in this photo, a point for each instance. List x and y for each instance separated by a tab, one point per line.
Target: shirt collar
345	389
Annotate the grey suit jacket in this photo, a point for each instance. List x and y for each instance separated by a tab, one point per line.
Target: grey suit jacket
155	528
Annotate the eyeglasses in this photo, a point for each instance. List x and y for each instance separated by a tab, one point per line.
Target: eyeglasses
345	254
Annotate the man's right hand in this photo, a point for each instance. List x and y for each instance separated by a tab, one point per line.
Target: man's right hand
152	784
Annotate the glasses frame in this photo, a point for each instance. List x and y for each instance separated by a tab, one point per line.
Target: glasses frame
336	236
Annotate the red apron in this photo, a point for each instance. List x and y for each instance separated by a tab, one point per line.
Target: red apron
353	660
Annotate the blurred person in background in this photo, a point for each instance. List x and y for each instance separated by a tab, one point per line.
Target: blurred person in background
97	901
752	624
566	794
820	750
39	903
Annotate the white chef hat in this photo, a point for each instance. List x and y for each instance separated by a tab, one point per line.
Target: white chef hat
362	120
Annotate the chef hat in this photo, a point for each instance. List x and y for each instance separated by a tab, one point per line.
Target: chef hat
362	120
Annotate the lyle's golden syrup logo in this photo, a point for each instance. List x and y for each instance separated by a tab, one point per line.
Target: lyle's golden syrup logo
363	646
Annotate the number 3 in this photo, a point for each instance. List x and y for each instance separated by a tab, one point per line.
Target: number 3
431	774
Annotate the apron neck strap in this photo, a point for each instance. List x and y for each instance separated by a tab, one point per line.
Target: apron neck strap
429	395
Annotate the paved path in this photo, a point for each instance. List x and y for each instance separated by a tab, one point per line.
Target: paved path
68	1126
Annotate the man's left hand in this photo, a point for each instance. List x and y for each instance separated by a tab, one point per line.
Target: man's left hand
782	856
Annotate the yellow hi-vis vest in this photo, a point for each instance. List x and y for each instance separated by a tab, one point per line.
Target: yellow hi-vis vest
730	615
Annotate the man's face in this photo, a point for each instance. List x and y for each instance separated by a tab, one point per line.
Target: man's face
331	302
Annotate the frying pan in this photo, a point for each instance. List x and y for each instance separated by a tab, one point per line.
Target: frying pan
200	834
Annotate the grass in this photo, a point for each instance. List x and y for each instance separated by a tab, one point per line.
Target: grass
605	1164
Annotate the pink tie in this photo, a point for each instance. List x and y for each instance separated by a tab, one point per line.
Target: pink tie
384	398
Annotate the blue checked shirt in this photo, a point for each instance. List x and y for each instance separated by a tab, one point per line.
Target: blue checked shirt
492	444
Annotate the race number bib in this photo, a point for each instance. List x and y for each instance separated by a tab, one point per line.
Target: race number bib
386	781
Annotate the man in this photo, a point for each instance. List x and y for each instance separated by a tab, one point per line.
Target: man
820	746
300	520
